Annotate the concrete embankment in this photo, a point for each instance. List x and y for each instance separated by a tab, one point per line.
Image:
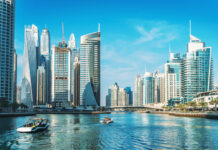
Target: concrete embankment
159	112
75	112
61	112
199	115
17	114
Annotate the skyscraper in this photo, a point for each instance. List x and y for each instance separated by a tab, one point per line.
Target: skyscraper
173	78
7	10
61	75
45	52
76	81
123	97
15	77
90	69
108	98
31	60
74	53
45	42
41	86
148	88
114	94
198	69
130	93
138	91
159	88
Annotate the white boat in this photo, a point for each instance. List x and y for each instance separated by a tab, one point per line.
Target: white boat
34	125
107	121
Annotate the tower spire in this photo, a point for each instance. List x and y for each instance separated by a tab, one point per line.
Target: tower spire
190	27
63	32
98	27
169	48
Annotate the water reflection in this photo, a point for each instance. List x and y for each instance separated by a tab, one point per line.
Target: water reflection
129	131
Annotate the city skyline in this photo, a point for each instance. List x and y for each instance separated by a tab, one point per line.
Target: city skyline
135	36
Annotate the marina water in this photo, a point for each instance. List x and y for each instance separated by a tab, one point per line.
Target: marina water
129	131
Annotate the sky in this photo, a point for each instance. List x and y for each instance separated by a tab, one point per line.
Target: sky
135	34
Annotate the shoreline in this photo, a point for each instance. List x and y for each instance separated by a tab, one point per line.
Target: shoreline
19	114
208	115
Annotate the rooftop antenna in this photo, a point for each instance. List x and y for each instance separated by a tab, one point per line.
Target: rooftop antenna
169	48
190	29
45	26
98	27
63	32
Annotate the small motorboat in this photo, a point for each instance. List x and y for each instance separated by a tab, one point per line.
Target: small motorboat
34	125
106	120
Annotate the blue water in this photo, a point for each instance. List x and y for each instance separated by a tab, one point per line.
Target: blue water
129	131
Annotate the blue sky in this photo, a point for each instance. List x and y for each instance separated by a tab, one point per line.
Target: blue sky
135	34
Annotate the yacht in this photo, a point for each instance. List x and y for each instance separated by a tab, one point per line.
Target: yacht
34	125
106	120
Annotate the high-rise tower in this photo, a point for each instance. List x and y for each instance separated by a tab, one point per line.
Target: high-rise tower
45	52
173	78
198	69
138	91
148	88
61	75
90	69
31	60
7	10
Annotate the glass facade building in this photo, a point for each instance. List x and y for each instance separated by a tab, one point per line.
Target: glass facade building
173	77
148	88
198	69
45	52
31	60
90	69
41	86
7	10
138	91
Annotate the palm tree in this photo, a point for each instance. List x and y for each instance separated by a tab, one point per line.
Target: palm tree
214	102
203	104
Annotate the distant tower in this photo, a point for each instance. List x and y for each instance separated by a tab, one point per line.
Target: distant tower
173	78
114	94
159	88
41	86
148	88
7	13
31	60
90	69
138	91
76	81
123	97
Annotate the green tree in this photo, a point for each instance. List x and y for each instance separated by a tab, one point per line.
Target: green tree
203	105
214	102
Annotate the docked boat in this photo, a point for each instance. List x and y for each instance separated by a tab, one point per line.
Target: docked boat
107	120
34	125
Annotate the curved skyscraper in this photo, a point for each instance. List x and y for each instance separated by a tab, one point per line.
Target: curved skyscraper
7	10
198	69
90	69
30	64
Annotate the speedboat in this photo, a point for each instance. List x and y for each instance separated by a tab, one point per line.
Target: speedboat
34	125
107	120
